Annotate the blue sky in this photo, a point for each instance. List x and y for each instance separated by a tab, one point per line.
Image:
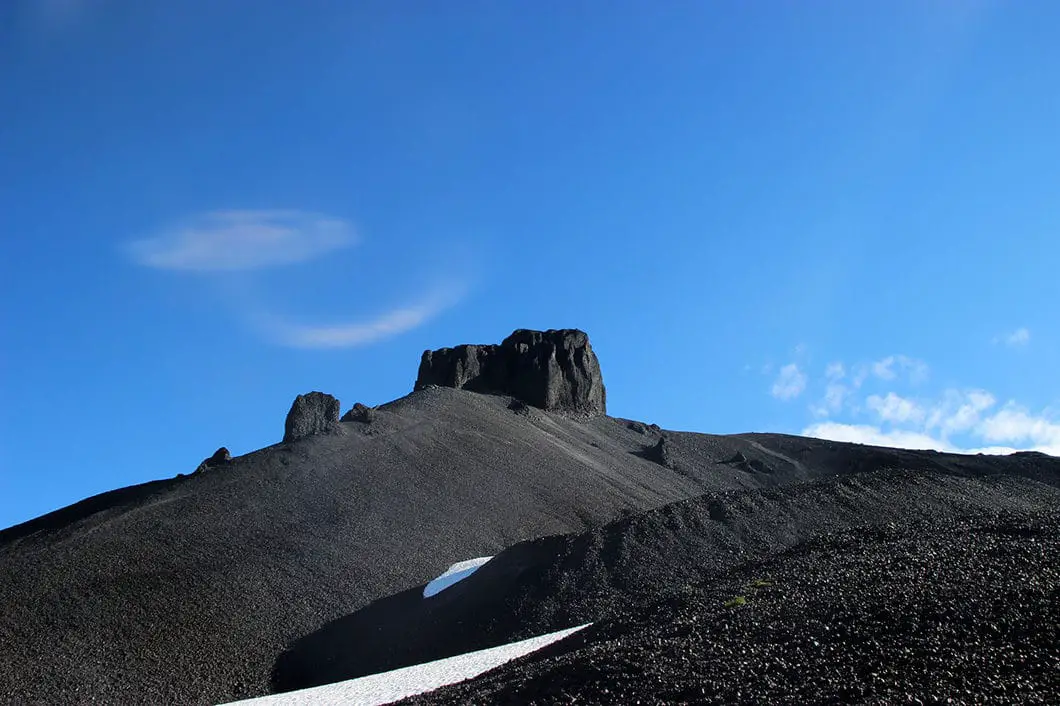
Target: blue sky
830	218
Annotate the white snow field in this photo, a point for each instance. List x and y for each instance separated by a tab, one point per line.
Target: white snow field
387	687
457	572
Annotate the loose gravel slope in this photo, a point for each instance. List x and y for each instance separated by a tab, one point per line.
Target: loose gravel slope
204	588
954	611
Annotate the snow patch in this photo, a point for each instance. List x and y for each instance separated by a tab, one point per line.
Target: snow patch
387	687
457	572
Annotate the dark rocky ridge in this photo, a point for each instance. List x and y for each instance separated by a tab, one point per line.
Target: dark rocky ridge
555	370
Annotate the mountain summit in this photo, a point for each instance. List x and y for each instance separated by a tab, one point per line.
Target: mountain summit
555	370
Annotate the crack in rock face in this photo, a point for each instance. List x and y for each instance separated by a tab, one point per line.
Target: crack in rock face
555	370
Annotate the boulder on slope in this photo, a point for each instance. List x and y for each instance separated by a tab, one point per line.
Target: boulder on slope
311	413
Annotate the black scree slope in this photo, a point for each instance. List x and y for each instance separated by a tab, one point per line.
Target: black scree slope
187	590
556	582
937	611
220	584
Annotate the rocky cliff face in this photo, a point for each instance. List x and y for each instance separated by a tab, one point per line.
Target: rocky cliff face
312	413
554	370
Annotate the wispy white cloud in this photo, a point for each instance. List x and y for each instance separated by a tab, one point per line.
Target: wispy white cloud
243	240
214	245
890	367
836	391
958	411
835	395
360	333
790	382
1015	339
842	383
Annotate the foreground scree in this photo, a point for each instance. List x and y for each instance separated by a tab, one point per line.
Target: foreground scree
708	564
954	611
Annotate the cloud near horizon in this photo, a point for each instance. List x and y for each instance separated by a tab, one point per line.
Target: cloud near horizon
243	240
957	421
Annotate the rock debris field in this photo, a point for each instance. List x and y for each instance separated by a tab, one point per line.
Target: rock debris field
959	611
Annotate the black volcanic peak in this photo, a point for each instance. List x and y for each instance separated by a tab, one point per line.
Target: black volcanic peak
554	370
305	560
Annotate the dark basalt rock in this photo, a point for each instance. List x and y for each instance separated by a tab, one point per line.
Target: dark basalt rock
662	453
220	457
747	464
639	427
312	413
359	413
553	370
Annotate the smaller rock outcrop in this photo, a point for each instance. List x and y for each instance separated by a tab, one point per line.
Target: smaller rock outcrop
663	453
359	413
751	465
311	413
220	457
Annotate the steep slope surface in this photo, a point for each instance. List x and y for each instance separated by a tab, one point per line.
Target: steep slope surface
186	590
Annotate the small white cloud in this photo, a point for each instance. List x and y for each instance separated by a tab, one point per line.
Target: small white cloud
895	409
1015	339
959	411
834	395
790	382
243	240
859	374
360	333
835	371
889	368
884	369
